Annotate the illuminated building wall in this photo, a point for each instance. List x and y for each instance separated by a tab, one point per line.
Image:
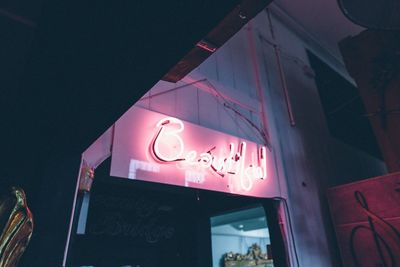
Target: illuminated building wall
229	92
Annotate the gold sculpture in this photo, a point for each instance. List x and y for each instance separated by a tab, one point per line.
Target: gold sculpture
254	257
16	226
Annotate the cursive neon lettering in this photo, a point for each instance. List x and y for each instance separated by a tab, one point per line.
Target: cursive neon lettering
168	133
233	163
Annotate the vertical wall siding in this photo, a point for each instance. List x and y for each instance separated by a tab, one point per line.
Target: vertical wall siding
302	145
309	160
312	160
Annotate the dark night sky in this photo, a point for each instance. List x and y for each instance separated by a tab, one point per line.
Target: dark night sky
65	81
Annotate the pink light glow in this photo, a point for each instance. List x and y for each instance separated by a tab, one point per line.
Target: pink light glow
153	147
169	137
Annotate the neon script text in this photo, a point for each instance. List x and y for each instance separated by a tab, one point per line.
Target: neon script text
168	146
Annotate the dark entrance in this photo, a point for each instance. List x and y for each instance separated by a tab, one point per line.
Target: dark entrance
139	224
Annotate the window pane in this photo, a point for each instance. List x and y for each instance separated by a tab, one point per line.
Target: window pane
241	238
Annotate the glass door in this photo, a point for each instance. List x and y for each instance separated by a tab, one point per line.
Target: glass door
241	238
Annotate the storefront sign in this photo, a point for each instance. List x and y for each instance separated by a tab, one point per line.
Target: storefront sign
154	147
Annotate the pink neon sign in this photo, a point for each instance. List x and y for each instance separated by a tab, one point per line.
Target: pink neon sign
153	147
233	163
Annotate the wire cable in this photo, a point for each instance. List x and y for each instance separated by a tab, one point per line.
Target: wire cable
171	90
226	103
243	117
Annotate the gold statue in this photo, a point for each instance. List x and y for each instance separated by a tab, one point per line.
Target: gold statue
254	257
16	226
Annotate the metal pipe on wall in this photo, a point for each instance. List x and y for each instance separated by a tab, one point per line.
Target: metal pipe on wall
281	72
259	88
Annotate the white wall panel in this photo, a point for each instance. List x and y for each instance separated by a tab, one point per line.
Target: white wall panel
224	62
209	68
186	103
243	72
208	110
162	103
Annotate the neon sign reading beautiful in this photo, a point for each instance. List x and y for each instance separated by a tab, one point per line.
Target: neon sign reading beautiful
231	164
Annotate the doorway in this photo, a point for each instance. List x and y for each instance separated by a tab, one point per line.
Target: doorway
130	223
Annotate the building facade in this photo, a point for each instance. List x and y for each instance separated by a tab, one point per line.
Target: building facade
261	86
